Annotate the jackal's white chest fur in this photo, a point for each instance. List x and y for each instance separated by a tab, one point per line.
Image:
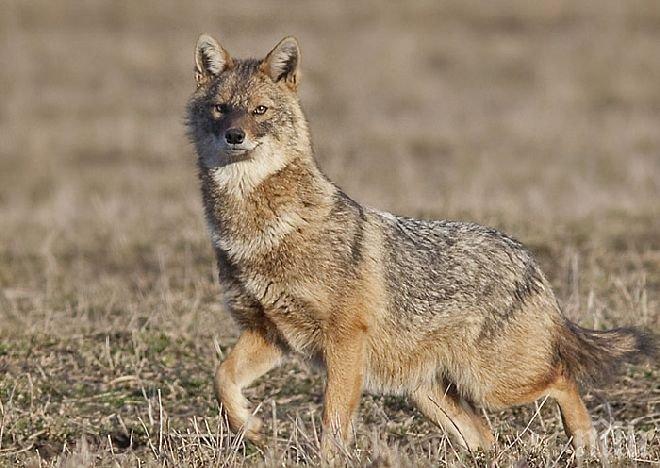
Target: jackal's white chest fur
239	178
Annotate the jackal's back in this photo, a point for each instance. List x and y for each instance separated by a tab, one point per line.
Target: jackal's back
456	270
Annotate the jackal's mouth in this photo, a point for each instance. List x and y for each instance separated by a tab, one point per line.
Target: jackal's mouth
236	151
235	157
239	152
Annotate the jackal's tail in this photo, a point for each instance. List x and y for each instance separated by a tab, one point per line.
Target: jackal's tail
595	356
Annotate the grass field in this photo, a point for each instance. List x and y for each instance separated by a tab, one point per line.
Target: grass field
539	118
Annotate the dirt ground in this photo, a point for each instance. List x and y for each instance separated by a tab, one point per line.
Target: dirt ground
539	118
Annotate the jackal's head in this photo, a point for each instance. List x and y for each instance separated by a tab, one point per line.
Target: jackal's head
246	112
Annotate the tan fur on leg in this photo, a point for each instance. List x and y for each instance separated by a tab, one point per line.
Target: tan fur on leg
574	414
252	357
344	364
446	409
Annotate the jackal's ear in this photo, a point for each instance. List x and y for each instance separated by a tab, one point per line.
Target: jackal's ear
282	63
210	59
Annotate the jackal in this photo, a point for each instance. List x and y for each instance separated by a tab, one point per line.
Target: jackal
451	314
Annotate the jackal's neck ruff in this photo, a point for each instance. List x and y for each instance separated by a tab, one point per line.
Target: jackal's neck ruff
251	206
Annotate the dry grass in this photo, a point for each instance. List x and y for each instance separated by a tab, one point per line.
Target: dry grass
540	118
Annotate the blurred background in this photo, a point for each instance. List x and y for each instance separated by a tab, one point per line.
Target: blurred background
539	118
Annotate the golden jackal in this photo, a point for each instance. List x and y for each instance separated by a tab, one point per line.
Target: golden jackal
452	314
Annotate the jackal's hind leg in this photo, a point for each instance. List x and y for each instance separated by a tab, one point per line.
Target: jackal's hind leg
574	415
456	416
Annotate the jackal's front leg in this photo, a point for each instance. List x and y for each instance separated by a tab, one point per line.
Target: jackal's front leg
344	361
253	356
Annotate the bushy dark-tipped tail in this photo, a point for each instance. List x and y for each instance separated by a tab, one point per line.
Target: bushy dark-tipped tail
593	356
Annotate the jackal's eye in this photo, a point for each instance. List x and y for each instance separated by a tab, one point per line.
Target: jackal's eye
260	110
220	108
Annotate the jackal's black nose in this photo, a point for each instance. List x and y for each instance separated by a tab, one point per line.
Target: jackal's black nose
234	136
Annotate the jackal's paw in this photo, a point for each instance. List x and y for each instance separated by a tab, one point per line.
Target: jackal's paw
586	443
252	429
331	449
